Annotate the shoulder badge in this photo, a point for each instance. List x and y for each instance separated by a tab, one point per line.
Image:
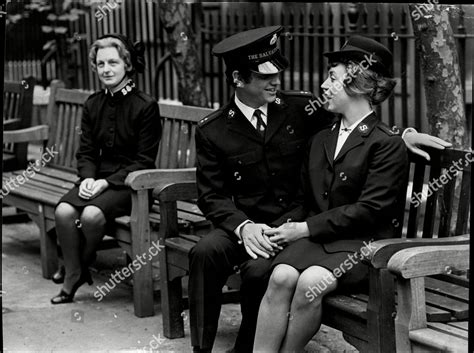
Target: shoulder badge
209	118
297	93
394	131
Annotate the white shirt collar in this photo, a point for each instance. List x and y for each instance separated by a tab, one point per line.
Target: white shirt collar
350	128
248	111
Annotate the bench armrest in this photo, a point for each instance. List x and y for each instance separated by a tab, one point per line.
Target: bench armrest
429	260
382	250
34	133
156	178
175	191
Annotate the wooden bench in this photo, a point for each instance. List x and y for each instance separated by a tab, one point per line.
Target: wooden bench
411	266
17	114
365	320
135	233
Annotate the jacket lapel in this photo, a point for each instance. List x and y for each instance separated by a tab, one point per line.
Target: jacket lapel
238	123
357	136
330	142
276	117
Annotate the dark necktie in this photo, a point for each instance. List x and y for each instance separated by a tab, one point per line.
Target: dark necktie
261	127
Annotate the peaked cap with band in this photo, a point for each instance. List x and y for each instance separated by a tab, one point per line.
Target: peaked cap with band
256	49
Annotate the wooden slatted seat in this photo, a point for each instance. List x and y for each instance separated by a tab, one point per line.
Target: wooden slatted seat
135	233
366	320
413	332
17	114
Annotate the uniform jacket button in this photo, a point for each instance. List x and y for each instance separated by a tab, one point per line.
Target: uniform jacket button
325	194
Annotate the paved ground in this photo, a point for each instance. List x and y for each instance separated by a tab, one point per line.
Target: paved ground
32	324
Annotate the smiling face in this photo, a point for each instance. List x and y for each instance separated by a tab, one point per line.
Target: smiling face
111	67
333	88
260	89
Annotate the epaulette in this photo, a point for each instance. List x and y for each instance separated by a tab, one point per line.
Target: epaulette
297	93
143	96
207	119
394	131
95	94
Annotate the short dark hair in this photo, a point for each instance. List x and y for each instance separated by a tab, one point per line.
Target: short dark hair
366	82
244	72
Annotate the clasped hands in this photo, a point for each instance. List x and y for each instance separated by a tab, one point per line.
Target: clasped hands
261	240
90	188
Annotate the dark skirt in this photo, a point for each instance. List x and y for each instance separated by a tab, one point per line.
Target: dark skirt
113	202
352	275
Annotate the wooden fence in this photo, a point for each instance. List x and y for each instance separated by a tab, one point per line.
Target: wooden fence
309	30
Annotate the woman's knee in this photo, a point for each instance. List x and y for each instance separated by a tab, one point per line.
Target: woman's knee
92	216
283	277
313	284
65	212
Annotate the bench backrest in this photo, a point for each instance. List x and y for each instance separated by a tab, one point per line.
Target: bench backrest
64	114
17	114
177	148
439	195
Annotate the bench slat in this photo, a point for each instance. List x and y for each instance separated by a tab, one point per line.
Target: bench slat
432	340
449	289
459	310
452	330
59	174
463	325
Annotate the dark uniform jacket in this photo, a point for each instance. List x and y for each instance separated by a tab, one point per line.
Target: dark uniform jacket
356	196
119	134
240	176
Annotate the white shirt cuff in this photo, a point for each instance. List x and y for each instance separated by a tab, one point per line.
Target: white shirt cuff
408	129
239	228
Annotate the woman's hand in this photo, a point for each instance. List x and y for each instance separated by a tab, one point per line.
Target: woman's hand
288	232
91	188
99	186
85	189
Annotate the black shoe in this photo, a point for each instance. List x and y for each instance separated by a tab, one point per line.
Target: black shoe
59	275
63	297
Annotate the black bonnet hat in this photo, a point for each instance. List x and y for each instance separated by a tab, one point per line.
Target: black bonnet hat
137	50
362	48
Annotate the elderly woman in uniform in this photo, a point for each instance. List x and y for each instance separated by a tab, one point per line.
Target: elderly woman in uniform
352	180
120	133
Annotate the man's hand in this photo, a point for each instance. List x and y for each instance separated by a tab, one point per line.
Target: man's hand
414	140
85	189
256	243
288	232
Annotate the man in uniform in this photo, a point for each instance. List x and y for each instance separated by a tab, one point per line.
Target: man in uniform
249	155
